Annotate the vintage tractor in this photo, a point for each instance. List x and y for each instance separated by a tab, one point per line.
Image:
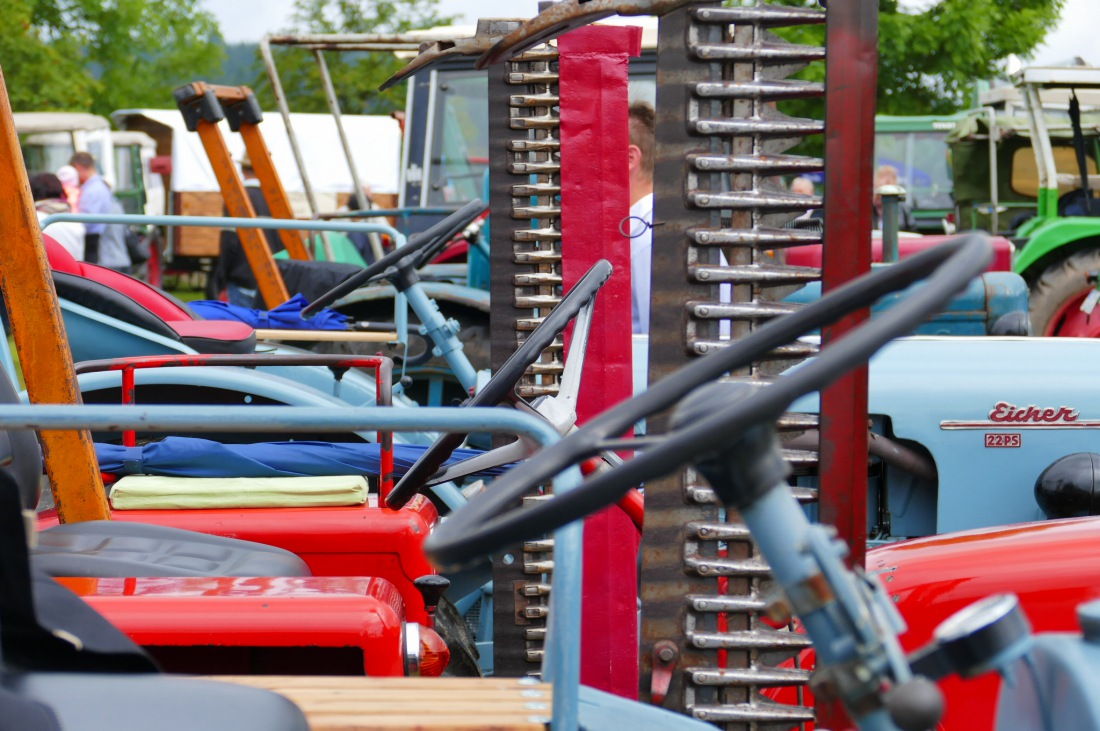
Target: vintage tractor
1034	176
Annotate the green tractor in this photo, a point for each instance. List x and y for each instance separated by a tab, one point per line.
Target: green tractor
1030	172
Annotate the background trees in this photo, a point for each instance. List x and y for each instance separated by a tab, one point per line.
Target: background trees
355	76
102	55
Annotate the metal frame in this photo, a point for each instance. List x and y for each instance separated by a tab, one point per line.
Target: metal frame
562	657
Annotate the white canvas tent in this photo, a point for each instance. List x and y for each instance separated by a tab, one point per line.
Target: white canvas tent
376	143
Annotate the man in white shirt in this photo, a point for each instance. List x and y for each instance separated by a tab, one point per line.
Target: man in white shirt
640	158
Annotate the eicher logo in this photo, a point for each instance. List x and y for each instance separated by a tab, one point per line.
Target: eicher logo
1007	415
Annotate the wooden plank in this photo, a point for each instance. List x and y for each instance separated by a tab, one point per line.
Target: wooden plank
430	704
328	336
40	337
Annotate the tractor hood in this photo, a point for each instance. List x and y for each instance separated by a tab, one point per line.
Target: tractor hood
992	412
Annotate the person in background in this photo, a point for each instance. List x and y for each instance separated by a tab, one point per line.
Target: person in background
49	198
95	197
70	180
640	161
888	175
804	186
640	156
113	252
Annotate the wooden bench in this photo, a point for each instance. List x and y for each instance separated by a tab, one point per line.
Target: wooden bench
428	704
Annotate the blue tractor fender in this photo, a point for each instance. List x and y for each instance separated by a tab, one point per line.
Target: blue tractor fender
996	303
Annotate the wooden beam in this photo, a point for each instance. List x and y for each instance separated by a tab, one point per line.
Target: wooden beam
40	335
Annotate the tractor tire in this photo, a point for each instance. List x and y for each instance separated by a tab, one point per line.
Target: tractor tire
456	633
1058	290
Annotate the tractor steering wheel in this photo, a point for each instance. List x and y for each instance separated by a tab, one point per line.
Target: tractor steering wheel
502	386
421	246
491	520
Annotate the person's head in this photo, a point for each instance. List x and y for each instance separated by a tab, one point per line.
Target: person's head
46	186
68	176
640	153
84	164
802	186
884	175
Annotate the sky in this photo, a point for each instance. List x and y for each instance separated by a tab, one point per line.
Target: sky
249	20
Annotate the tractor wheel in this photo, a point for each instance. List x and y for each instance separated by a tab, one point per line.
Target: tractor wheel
456	633
1056	297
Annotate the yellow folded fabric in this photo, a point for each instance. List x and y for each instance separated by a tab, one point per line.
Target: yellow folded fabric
151	492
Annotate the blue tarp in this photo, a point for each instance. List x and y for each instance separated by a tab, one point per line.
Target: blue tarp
192	457
287	316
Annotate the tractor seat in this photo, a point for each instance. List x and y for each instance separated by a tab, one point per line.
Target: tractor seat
134	302
110	549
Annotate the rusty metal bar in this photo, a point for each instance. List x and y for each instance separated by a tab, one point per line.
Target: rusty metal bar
40	337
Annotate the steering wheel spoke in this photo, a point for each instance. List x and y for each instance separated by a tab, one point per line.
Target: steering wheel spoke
577	304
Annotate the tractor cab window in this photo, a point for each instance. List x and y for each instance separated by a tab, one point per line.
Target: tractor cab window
1025	173
460	139
922	164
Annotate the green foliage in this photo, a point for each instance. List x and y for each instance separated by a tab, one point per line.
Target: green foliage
101	55
929	61
355	76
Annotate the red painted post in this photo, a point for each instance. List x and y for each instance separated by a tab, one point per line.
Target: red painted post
851	68
595	199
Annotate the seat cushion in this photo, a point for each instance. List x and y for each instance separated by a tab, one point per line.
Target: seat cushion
159	492
216	336
116	549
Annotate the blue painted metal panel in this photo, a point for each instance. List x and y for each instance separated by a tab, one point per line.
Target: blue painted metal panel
986	300
940	392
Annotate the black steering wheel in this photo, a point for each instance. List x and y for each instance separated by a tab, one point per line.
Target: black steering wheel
502	386
420	249
490	520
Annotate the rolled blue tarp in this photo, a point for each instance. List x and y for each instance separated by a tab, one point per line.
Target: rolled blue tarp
287	316
193	457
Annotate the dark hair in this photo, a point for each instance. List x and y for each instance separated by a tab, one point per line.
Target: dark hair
643	123
83	160
45	186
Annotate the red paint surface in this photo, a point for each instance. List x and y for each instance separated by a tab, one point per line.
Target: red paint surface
810	256
595	199
930	579
363	540
256	612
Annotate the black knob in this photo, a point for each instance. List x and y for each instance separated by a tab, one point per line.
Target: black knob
432	587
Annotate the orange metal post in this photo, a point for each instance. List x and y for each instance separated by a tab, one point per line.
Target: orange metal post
272	186
246	121
40	334
268	278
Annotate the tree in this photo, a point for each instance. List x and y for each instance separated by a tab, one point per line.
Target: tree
100	55
355	76
930	59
